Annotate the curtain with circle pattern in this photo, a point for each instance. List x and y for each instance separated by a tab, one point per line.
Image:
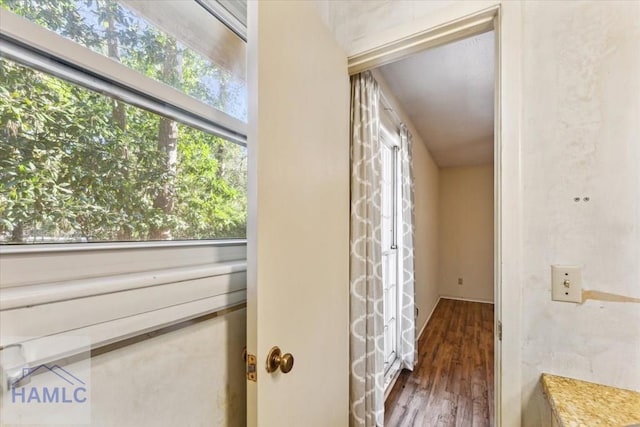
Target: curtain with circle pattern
366	292
408	348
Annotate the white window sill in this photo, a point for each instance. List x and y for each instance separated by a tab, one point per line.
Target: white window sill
112	293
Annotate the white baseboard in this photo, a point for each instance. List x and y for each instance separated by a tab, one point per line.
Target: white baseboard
426	322
485	301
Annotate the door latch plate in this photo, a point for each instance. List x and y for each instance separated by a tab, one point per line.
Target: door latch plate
252	372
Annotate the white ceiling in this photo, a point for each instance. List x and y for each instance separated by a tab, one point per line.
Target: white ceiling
447	92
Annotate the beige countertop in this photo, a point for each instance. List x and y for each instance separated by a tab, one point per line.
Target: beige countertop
577	403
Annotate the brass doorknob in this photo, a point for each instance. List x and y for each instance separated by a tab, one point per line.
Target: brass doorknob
275	360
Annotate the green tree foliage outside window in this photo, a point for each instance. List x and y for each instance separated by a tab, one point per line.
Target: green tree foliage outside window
76	165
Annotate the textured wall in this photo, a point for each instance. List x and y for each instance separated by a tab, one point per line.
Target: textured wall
353	22
465	242
581	138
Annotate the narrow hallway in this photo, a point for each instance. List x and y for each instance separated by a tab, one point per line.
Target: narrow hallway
452	384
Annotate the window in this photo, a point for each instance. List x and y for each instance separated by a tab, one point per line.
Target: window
80	166
177	43
122	140
390	253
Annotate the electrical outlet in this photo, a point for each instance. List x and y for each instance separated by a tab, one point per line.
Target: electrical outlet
459	280
566	283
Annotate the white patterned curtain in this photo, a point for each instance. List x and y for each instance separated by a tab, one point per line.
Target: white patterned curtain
408	349
366	294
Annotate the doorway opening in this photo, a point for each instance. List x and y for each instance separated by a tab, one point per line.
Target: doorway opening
448	98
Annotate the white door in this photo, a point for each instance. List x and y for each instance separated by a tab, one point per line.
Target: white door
298	232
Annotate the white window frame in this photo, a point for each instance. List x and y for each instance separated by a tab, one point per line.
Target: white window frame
30	44
232	13
111	291
390	138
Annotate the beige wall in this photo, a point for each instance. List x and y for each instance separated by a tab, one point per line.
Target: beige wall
190	376
426	175
465	242
580	109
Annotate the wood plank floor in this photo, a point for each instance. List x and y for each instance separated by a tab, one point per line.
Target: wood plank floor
452	384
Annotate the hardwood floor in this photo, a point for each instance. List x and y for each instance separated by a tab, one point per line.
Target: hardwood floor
452	384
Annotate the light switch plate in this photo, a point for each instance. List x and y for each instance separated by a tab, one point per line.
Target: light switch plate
566	283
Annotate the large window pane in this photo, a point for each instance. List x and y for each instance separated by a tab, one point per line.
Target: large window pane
176	42
77	166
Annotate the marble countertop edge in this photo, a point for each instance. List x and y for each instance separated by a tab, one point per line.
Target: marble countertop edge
577	403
